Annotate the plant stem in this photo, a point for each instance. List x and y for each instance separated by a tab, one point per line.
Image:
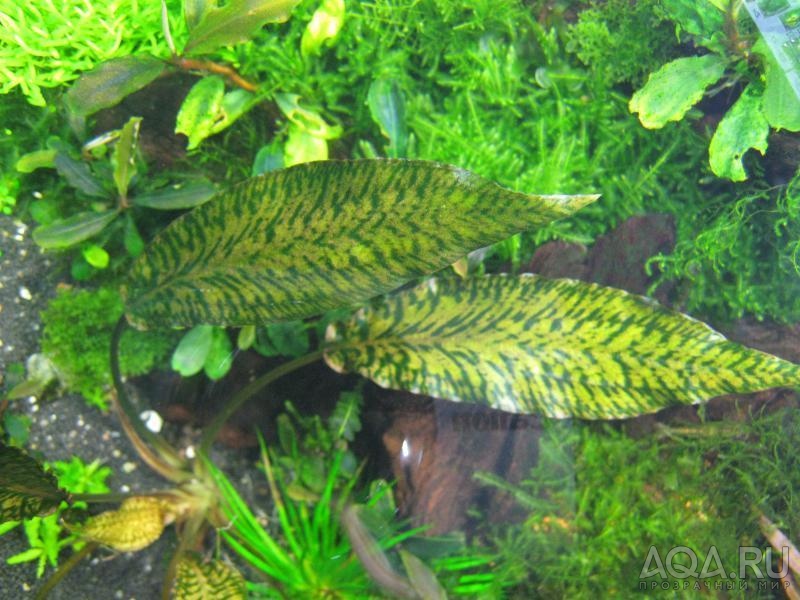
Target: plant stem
159	455
65	568
193	64
247	392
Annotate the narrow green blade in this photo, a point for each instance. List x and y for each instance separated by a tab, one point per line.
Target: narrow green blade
560	348
297	242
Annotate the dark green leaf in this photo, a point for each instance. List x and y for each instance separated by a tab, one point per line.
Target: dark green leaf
26	489
185	195
192	351
124	157
110	82
220	355
297	242
134	244
387	107
282	339
235	22
560	348
77	228
269	158
345	420
79	176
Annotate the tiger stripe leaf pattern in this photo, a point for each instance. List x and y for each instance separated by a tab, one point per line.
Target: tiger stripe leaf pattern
296	242
213	580
559	348
26	488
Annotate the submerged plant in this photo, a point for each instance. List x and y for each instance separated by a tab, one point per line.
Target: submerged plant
295	243
767	99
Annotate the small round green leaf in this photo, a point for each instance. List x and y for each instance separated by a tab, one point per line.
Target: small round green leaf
220	355
744	126
96	256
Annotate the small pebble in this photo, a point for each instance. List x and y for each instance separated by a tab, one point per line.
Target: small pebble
152	420
190	452
128	467
25	293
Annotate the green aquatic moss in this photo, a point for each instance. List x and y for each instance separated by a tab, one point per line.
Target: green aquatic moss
600	499
76	336
46	44
737	254
623	41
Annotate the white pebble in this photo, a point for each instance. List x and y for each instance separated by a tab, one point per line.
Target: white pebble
24	293
152	420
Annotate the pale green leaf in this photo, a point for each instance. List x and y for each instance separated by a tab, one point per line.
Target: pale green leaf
744	126
192	351
220	355
200	110
110	82
26	489
306	119
781	104
76	228
124	156
323	27
28	163
294	243
246	337
559	348
302	147
212	580
677	86
237	21
422	578
137	523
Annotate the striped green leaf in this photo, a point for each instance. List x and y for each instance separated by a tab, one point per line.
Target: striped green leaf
26	489
297	242
560	348
212	580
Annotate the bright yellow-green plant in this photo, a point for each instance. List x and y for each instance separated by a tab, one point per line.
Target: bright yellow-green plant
338	238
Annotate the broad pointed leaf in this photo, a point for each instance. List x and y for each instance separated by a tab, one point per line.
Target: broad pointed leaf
560	348
297	242
26	489
212	580
235	22
74	229
110	82
677	86
744	126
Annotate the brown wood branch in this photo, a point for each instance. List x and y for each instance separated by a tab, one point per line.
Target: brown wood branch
193	64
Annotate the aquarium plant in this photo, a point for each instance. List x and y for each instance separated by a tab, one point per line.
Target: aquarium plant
736	58
317	237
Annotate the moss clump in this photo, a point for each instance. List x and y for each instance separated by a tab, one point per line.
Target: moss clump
77	337
600	499
623	41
